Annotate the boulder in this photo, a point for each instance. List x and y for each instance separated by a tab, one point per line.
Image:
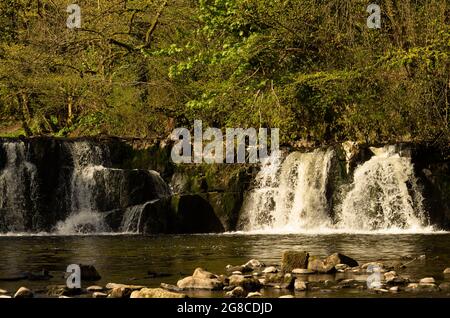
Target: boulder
253	264
300	285
23	292
203	274
427	280
414	287
279	279
270	269
317	265
337	258
95	288
155	293
254	295
120	292
293	259
191	282
247	283
89	273
237	292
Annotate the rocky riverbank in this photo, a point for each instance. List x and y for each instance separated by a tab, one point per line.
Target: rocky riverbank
299	274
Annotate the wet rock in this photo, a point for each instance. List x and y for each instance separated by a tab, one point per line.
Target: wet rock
445	287
241	268
23	292
3	291
63	290
131	287
155	293
447	270
270	269
89	273
338	258
237	292
99	295
427	280
300	285
254	295
292	260
394	289
372	267
247	283
414	287
278	279
170	287
228	288
380	290
95	288
201	279
286	296
302	271
236	273
5	296
320	266
120	292
254	264
341	267
347	283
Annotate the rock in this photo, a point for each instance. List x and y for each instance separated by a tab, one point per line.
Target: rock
338	258
286	296
170	287
427	280
253	264
345	283
302	271
414	287
447	270
3	291
4	296
380	290
445	287
155	293
201	279
292	259
64	297
237	292
270	269
236	273
278	279
341	267
120	292
300	285
95	288
89	273
254	295
394	289
63	290
23	292
320	266
241	268
131	287
247	283
99	295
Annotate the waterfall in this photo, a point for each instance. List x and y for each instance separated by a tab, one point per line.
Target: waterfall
132	217
384	195
88	160
18	188
290	194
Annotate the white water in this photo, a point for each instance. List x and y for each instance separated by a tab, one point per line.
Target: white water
384	195
17	183
87	159
290	197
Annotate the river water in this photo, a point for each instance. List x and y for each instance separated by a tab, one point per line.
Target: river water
134	259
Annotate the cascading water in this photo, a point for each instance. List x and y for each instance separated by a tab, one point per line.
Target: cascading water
384	195
87	159
18	187
289	196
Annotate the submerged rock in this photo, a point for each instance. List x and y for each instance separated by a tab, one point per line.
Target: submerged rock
23	292
445	287
247	283
155	293
89	273
293	259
